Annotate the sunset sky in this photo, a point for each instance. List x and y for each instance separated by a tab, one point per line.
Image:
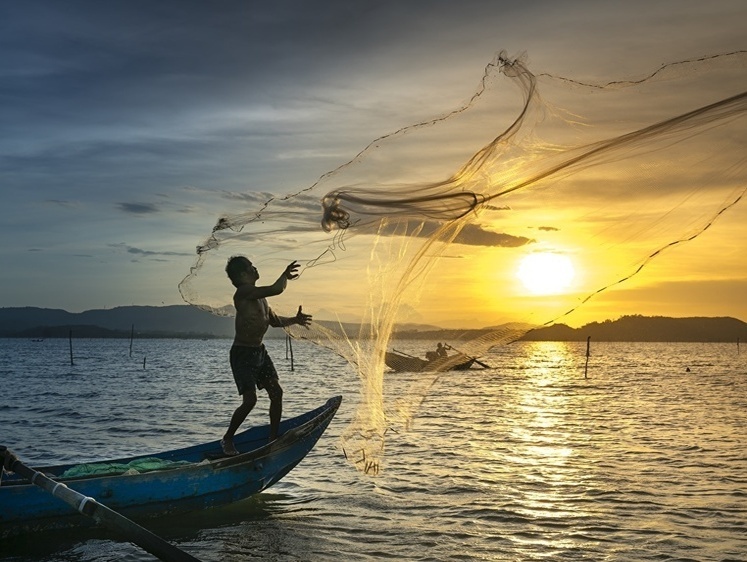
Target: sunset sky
130	127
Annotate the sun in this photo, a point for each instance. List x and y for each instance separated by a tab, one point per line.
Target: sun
546	273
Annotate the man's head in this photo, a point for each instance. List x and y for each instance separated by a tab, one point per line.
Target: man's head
238	267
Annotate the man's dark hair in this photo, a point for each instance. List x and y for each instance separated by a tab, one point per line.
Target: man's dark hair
235	266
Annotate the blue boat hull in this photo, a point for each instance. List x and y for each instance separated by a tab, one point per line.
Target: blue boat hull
210	479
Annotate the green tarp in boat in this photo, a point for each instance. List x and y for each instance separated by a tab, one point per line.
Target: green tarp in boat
113	468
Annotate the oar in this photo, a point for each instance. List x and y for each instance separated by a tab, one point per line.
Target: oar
98	512
405	354
470	357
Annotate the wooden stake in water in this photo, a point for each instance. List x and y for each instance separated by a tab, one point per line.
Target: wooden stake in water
290	346
70	339
132	336
586	367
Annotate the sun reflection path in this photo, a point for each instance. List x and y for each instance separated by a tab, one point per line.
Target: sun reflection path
546	430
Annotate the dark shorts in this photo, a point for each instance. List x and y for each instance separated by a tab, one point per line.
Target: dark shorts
251	366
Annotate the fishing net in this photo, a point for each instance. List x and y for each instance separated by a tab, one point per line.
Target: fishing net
137	466
430	224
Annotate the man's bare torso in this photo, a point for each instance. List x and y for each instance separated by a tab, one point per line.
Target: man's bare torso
252	321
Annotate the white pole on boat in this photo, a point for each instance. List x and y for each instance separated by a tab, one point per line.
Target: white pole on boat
98	512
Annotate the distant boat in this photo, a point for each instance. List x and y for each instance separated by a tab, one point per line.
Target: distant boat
186	479
400	362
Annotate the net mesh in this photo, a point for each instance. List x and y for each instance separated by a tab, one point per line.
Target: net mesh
429	224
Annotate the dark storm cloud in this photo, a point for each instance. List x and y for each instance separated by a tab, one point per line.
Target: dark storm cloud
257	200
127	93
470	235
147	253
474	235
61	203
138	208
81	60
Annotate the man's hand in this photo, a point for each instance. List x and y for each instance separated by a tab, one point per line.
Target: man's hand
303	319
290	271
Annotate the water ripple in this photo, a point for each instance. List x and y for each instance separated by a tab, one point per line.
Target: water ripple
530	461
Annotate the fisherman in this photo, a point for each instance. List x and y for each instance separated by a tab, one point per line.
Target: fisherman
251	365
438	354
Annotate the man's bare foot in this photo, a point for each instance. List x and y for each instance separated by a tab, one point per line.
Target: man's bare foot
228	448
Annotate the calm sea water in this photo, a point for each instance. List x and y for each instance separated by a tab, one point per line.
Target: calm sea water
643	460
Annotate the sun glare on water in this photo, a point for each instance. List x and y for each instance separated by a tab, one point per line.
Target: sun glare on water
546	273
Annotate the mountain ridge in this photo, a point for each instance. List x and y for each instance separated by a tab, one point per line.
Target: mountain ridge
175	320
184	321
638	328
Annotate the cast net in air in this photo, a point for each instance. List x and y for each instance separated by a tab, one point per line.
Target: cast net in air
430	224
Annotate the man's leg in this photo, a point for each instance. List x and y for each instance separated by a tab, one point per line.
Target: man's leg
275	392
249	399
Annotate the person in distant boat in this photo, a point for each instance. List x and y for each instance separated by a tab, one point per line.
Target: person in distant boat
438	354
251	365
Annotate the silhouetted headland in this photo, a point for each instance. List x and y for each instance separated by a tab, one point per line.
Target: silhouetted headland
183	321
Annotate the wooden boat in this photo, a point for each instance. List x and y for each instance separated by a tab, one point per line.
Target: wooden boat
188	479
407	363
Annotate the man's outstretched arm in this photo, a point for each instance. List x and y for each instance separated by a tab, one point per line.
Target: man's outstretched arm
301	318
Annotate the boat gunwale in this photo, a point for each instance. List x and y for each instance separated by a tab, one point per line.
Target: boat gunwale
310	421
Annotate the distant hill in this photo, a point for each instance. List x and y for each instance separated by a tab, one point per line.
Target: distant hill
625	329
148	321
647	329
184	321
